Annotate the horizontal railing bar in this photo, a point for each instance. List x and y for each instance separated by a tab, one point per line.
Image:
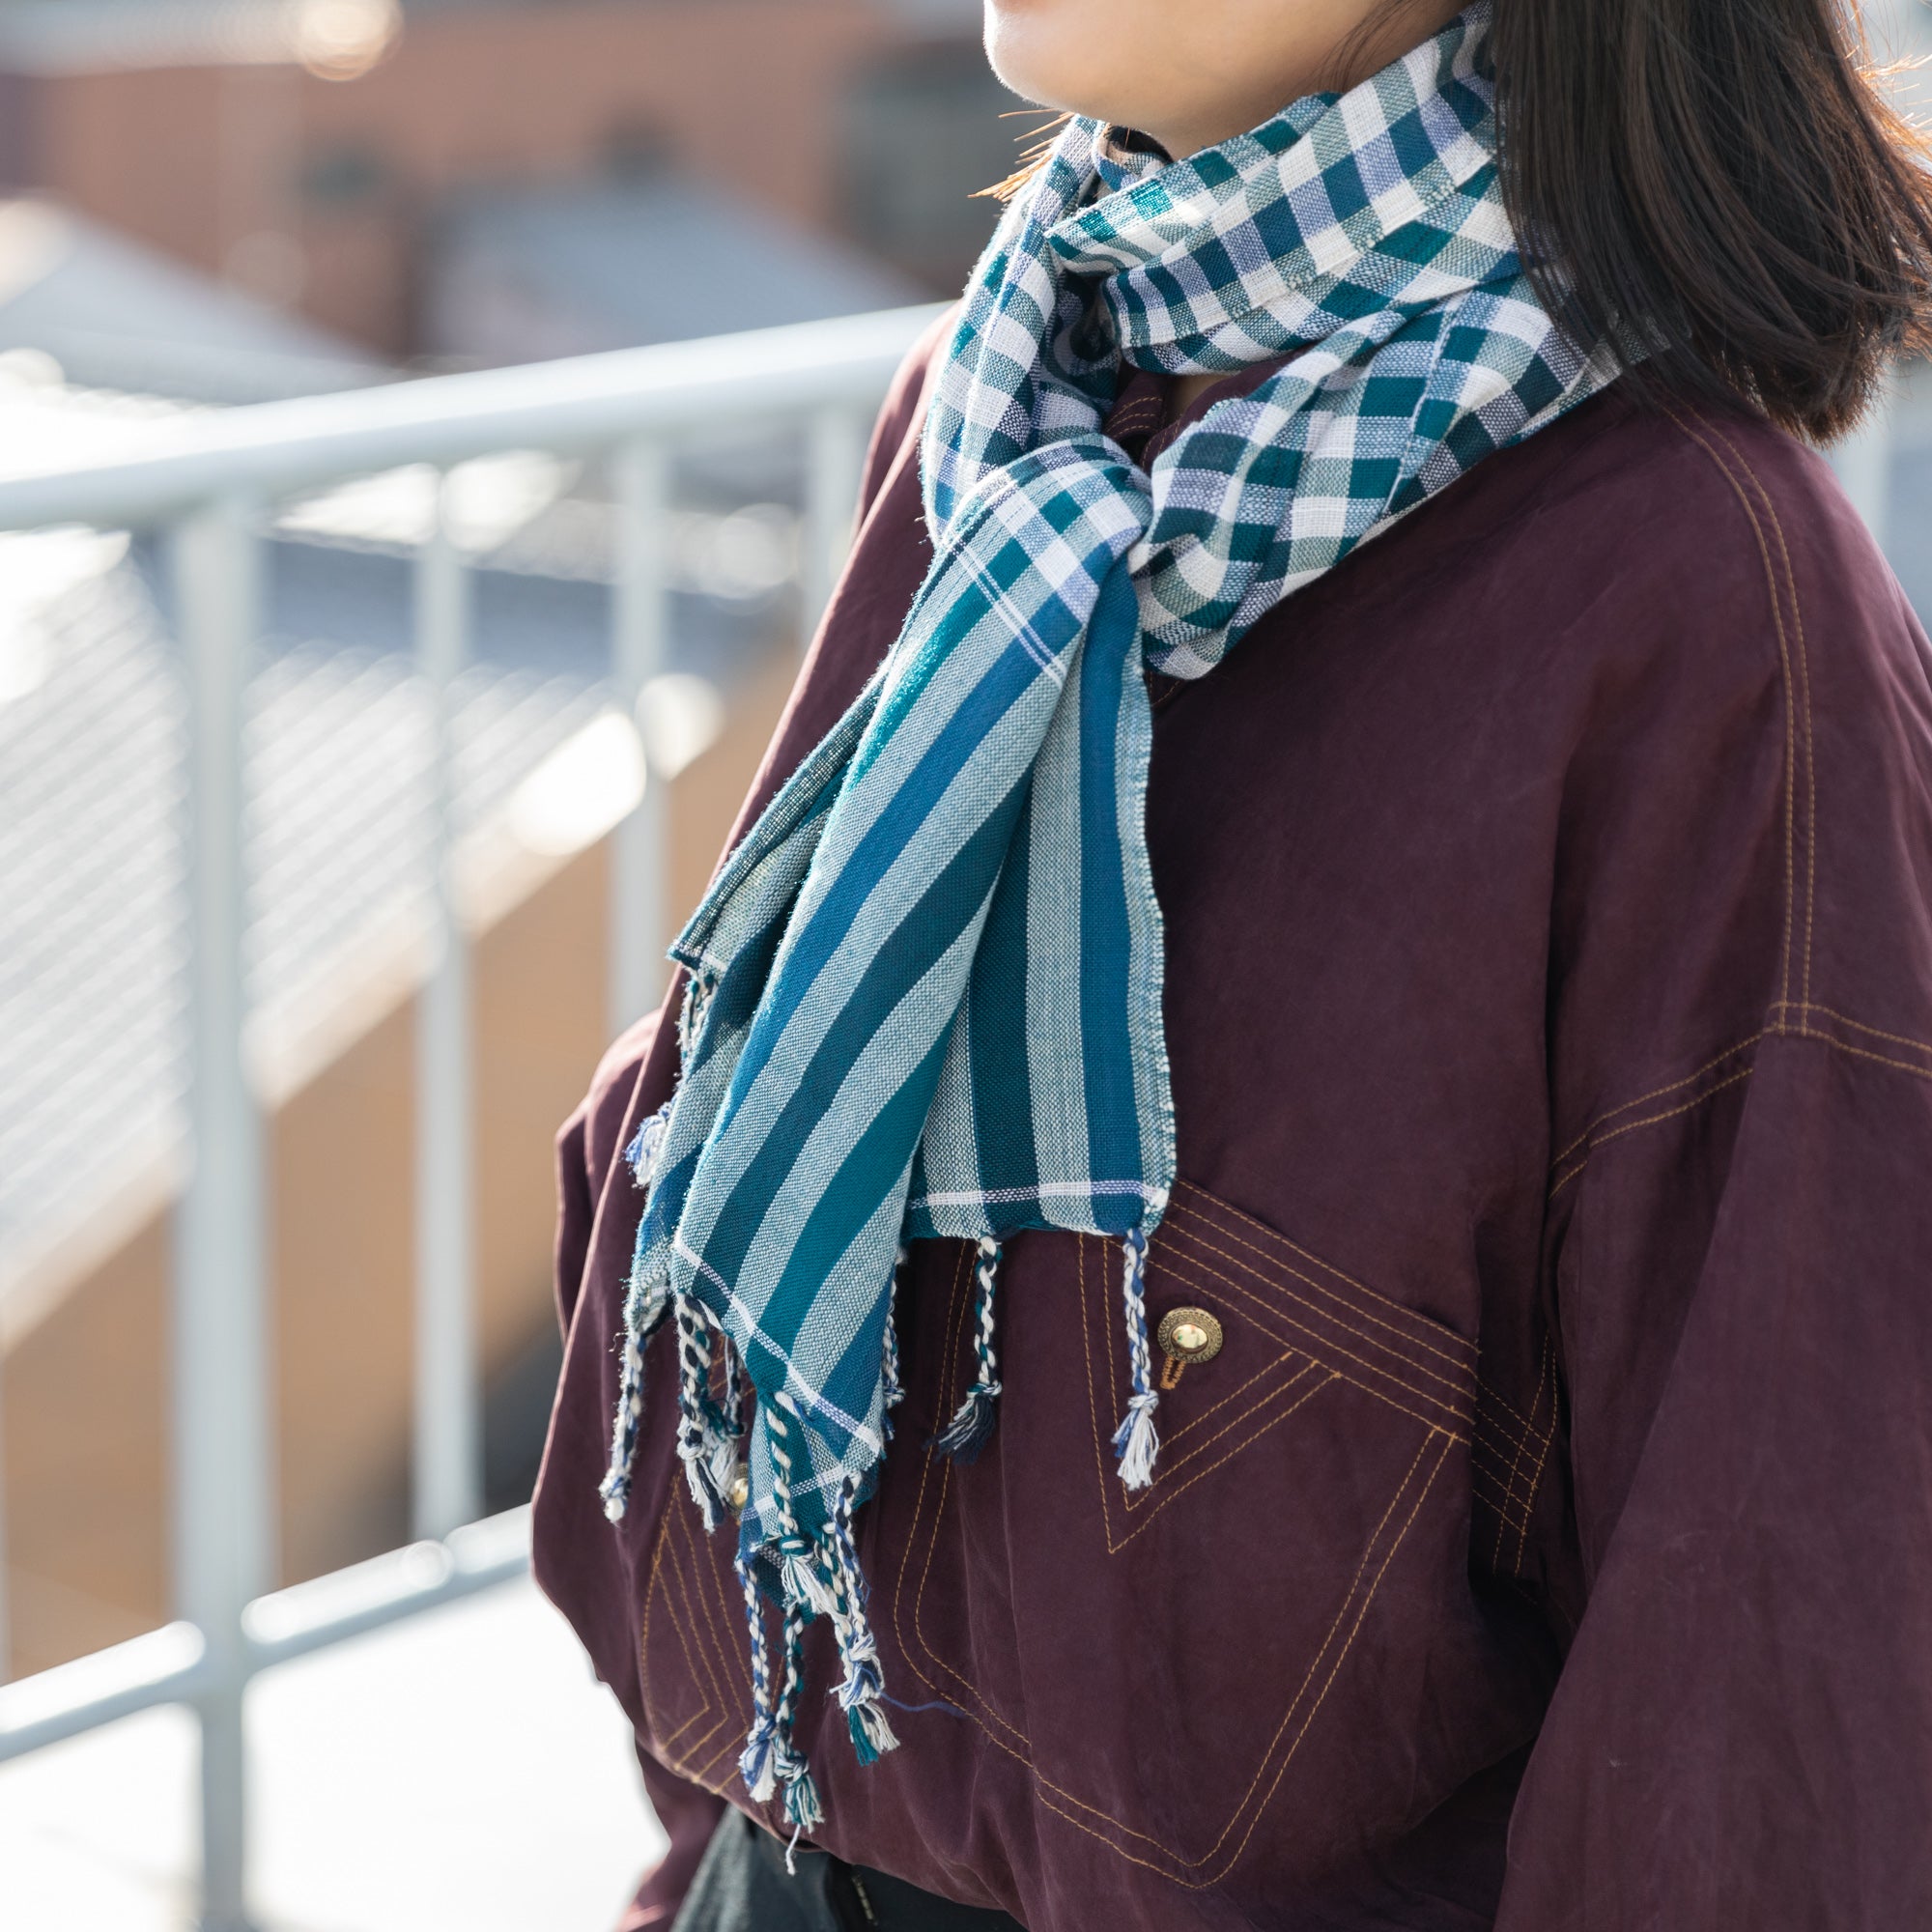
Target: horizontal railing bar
582	403
172	1666
403	1583
163	1667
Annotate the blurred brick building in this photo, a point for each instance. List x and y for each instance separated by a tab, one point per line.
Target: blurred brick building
307	150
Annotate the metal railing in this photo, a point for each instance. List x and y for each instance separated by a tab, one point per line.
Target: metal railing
208	486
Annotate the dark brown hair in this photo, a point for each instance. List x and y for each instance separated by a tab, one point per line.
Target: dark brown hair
1726	189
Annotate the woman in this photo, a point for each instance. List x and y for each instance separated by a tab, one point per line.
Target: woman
1351	879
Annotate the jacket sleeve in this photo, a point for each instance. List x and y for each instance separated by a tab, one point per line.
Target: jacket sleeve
1742	1731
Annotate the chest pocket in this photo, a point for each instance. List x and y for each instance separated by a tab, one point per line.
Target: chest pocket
1174	1664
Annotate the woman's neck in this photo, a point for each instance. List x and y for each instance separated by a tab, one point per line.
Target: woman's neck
1369	34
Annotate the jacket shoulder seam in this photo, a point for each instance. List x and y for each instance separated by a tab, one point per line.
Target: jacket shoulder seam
1800	826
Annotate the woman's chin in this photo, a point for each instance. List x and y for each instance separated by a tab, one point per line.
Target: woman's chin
1042	51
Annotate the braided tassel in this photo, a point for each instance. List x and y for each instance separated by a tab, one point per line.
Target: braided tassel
1136	1442
859	1694
801	1798
798	1555
966	1434
894	1390
644	1309
644	1304
615	1488
727	1453
755	1763
770	1758
697	1437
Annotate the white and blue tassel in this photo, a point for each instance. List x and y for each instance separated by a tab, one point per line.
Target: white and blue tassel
1137	1442
966	1434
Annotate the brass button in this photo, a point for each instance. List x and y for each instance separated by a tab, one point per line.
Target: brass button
739	1494
1190	1335
1186	1335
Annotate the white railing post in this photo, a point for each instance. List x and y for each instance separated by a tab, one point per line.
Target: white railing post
640	640
223	1452
835	466
448	1461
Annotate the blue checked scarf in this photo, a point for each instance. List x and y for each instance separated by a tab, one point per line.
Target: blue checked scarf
926	989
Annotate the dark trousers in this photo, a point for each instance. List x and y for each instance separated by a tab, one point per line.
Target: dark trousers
742	1886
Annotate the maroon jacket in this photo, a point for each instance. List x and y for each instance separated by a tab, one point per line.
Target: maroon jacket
1549	900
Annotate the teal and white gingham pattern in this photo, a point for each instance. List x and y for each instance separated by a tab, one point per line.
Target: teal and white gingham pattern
927	987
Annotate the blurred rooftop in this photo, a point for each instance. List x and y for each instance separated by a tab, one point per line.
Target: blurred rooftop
115	315
516	274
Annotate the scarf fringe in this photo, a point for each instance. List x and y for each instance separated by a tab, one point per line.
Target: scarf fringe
645	1304
862	1694
968	1432
1137	1442
756	1764
703	1445
819	1576
728	1469
801	1798
628	1427
646	1307
892	1390
728	1464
